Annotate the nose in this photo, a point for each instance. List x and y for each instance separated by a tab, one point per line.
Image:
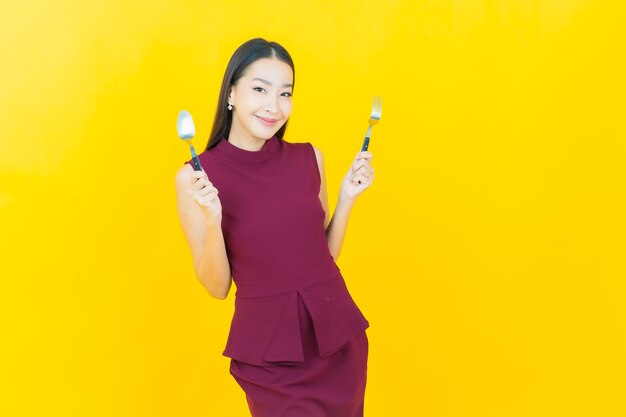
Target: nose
271	105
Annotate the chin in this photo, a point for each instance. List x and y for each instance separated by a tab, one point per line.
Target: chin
266	134
263	136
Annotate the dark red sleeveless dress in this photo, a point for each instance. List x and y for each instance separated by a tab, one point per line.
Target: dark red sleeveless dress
297	340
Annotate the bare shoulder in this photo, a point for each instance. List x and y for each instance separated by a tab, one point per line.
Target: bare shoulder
318	154
183	175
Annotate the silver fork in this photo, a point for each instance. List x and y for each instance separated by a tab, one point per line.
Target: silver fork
377	108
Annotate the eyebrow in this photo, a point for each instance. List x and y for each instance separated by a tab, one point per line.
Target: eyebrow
269	83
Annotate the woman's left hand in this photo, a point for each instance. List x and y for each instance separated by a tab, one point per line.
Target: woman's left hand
359	177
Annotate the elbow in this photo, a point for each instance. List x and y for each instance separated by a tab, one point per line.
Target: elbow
219	296
216	286
219	292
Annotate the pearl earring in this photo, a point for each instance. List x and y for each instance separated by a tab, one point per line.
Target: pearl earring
230	106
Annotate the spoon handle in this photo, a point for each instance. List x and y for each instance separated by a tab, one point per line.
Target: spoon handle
196	162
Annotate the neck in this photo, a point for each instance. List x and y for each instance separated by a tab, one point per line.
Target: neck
244	141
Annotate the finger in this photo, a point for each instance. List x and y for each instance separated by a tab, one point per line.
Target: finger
363	183
364	155
201	183
197	198
201	199
357	165
364	169
199	175
207	200
195	187
357	179
360	178
204	192
362	163
207	192
196	177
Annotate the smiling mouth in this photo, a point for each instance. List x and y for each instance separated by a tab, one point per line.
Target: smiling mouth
267	121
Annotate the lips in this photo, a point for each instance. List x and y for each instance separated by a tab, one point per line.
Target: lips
267	122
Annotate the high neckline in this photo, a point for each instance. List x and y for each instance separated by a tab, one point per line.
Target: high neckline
243	155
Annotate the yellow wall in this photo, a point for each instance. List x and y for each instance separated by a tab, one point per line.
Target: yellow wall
488	255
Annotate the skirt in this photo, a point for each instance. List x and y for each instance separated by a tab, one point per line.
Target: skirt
318	387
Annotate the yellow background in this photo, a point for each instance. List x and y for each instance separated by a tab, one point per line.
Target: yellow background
488	255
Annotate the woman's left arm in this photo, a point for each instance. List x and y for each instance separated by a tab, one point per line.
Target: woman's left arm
358	179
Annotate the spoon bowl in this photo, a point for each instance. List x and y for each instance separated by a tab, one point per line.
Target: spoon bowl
186	131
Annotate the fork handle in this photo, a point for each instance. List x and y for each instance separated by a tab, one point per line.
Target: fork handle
366	143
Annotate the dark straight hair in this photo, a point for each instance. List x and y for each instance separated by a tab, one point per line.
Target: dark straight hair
244	56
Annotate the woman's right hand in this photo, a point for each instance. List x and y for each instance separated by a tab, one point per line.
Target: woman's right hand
205	195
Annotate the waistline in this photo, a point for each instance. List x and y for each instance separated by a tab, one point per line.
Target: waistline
266	287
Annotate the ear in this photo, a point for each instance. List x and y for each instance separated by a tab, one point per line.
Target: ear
231	94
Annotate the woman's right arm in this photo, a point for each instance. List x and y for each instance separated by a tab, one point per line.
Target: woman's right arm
200	215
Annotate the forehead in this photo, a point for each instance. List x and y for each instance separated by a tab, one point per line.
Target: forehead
273	70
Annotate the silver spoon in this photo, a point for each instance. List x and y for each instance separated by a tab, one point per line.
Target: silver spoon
186	131
377	109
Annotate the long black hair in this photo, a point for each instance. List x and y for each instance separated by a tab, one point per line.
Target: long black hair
244	56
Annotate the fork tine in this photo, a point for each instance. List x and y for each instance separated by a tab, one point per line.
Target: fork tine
374	118
377	106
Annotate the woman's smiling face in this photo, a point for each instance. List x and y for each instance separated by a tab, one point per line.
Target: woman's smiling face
261	99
